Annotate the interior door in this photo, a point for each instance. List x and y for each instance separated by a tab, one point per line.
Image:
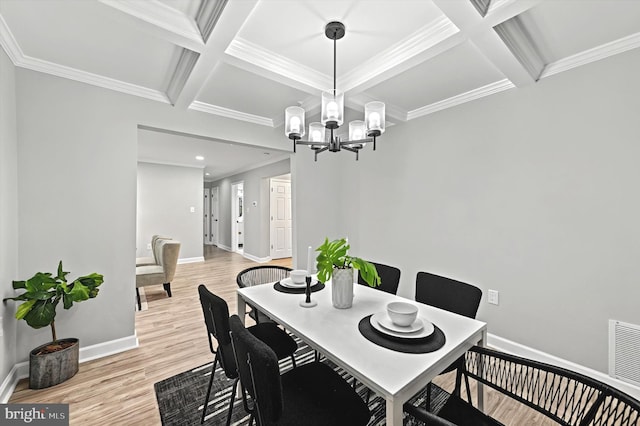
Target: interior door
207	217
213	233
281	223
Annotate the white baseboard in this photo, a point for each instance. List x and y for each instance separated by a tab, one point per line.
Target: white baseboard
256	258
223	247
112	347
100	350
190	260
9	384
518	349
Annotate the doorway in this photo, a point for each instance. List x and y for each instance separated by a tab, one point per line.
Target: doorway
281	223
211	208
213	231
237	217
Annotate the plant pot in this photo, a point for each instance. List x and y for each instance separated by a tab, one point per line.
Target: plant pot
50	369
342	288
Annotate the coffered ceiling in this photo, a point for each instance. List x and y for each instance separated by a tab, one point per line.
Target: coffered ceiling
249	59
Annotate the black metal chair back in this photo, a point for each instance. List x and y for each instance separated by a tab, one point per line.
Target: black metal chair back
448	294
257	275
216	318
259	374
262	274
389	278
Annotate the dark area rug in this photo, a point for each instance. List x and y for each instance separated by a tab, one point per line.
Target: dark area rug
180	398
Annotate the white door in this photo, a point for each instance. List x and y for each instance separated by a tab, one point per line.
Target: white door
237	217
207	217
280	212
213	232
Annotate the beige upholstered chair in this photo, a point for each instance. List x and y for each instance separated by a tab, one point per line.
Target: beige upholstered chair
168	252
142	261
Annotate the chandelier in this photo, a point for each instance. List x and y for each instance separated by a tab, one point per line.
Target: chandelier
332	116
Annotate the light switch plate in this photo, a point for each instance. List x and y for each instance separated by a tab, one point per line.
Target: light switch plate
494	297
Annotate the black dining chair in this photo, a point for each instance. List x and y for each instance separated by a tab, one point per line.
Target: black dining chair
258	275
453	296
311	395
216	317
389	278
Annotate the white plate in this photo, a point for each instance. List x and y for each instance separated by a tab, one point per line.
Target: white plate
286	282
421	327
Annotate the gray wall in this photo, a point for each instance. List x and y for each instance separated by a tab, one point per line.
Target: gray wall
77	149
256	221
8	211
321	200
165	197
532	192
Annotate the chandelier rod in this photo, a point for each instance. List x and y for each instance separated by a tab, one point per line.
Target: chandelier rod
334	61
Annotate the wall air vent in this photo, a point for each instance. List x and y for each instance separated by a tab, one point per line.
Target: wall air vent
624	351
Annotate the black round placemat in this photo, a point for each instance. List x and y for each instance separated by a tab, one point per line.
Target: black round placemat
282	289
431	343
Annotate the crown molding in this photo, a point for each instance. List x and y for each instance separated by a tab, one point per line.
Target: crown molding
249	52
169	163
600	52
482	6
21	60
469	96
391	110
181	74
177	27
208	16
92	79
9	43
230	113
421	40
515	37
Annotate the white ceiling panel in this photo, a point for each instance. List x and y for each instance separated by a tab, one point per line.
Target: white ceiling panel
565	28
455	71
295	29
78	34
240	90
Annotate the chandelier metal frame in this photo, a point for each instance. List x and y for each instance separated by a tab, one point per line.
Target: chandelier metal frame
335	31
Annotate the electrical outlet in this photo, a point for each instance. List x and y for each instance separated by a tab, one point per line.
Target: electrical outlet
494	297
149	246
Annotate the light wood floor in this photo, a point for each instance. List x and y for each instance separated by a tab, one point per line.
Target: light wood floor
118	390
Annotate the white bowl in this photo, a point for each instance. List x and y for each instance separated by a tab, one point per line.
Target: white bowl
298	276
402	314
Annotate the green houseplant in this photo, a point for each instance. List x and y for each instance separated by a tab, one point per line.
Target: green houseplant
42	294
335	262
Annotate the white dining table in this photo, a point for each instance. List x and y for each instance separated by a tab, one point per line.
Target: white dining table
396	376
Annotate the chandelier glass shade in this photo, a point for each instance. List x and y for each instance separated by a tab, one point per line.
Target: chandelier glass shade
332	116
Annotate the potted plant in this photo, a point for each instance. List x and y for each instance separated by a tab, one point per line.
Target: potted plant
335	263
57	360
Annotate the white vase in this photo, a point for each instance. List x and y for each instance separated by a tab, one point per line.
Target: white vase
342	288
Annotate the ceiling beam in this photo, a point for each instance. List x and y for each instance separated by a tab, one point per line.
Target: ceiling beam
230	20
480	31
162	21
429	41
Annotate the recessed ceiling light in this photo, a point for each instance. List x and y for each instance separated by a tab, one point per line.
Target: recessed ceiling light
199	157
207	174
